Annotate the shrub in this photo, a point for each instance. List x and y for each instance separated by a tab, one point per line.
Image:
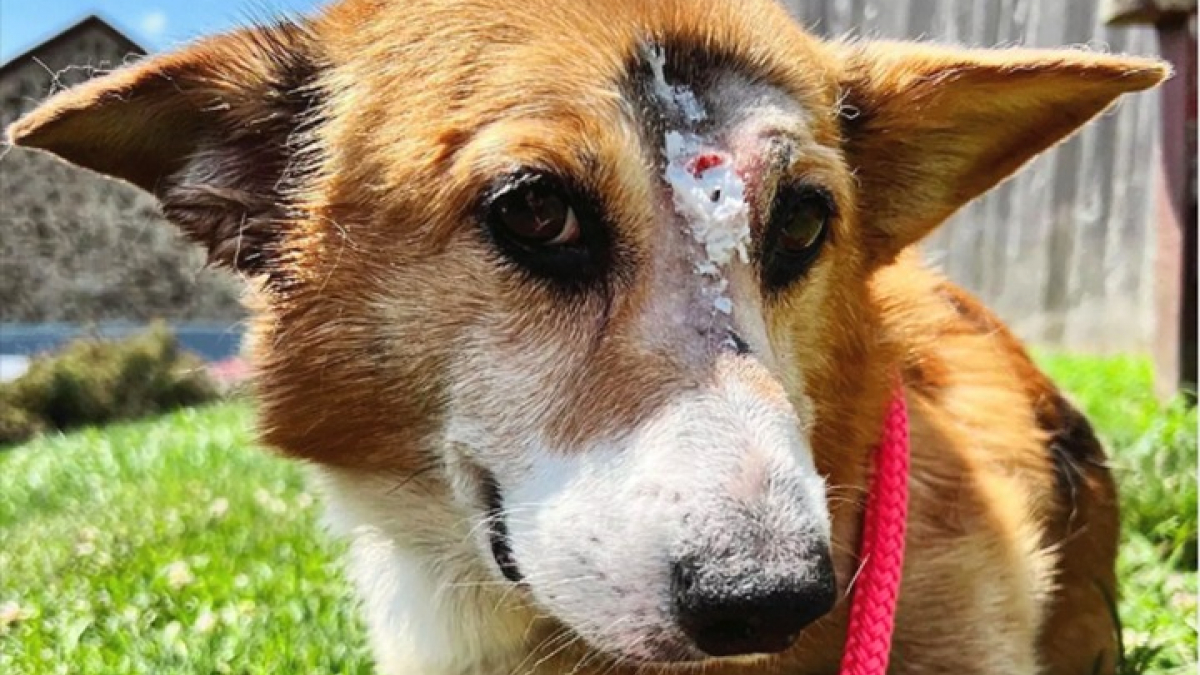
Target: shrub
92	381
16	424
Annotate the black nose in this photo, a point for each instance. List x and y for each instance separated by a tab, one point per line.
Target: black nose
752	612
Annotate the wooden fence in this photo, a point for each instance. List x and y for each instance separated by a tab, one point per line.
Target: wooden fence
1064	251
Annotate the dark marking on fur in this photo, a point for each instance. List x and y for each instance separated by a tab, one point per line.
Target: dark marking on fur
688	61
235	193
967	309
1072	445
739	345
493	502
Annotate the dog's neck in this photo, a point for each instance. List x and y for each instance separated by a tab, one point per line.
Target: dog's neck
431	606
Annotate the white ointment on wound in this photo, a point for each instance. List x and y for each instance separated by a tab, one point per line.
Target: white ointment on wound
707	191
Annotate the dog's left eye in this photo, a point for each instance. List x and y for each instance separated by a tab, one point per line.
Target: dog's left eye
798	227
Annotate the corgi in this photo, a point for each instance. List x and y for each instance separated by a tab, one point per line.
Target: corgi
587	316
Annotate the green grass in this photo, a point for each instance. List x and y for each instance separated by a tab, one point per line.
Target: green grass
170	546
175	546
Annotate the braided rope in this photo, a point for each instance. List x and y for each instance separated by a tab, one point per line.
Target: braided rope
873	609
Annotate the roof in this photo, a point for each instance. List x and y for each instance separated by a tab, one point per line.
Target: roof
88	24
1120	12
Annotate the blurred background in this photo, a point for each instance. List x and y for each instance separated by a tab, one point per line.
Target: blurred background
1089	249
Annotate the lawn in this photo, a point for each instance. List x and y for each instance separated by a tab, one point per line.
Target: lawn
175	546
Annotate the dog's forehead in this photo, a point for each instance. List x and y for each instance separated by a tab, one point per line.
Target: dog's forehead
562	113
721	77
542	55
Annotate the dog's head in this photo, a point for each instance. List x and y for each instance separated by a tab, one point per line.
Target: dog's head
595	274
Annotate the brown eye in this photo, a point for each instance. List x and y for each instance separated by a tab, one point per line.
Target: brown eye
548	226
803	226
536	213
798	227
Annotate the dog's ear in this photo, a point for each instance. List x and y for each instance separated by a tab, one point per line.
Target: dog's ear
927	129
211	130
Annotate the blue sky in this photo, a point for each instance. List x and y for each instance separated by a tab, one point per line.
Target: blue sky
155	24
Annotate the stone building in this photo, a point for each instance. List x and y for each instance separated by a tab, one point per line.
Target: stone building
78	247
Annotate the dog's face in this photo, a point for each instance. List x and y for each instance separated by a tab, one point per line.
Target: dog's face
593	276
614	238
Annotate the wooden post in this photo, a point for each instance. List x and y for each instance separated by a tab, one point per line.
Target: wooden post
1175	191
1175	217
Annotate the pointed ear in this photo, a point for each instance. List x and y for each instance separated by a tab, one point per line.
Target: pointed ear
211	130
928	129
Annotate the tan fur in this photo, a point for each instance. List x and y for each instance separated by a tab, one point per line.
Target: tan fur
371	286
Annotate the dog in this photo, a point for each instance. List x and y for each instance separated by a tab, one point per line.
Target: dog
587	316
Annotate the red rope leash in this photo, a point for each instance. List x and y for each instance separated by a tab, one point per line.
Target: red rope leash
873	609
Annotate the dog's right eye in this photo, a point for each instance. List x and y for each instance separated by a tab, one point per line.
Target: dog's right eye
536	213
547	228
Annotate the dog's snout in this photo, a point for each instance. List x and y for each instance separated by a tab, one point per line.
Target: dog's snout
728	613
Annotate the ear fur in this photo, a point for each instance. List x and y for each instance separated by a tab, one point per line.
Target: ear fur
211	130
928	129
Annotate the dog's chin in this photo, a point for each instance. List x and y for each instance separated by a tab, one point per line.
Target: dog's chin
683	658
666	654
706	661
661	655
